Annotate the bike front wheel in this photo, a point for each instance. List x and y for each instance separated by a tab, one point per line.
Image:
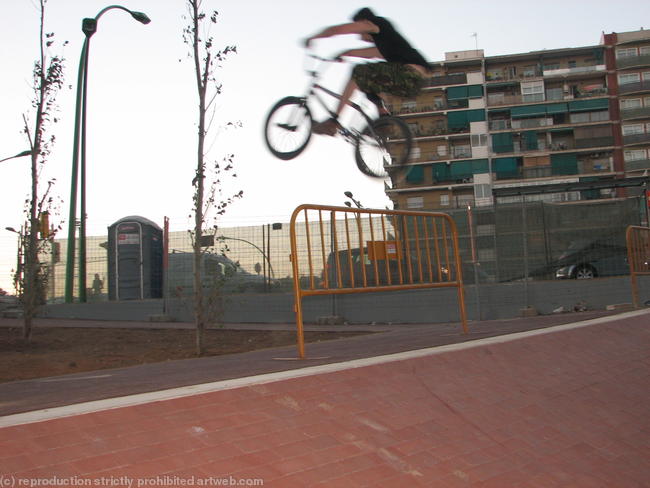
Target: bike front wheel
383	147
288	128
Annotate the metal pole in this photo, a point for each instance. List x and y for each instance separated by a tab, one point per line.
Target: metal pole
165	261
333	250
470	222
264	260
268	252
525	232
82	210
70	252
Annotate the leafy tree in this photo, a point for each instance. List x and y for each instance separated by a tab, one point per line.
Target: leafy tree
207	59
47	81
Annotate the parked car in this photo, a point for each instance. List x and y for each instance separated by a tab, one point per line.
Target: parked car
218	272
585	259
407	276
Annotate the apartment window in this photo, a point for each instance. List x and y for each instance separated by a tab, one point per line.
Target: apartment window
465	200
635	155
532	91
479	140
415	153
529	71
630	103
646	76
644	50
646	101
462	151
442	150
580	117
409	105
483	191
438	102
415	202
632	129
573	64
444	200
625	78
551	66
627	52
554	94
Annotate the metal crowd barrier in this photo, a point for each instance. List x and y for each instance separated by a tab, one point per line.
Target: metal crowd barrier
338	250
638	256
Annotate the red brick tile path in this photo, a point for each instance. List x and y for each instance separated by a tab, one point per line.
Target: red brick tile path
569	408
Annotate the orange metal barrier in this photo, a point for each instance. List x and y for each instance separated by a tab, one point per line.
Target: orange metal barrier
638	256
337	250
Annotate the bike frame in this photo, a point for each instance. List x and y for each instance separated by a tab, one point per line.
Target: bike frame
313	93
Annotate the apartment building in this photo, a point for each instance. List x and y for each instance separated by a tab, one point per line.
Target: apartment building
562	117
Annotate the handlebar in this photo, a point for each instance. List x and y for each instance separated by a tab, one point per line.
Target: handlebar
324	60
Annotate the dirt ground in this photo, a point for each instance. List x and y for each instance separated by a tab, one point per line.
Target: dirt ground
56	351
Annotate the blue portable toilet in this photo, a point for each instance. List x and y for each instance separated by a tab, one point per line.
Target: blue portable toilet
135	259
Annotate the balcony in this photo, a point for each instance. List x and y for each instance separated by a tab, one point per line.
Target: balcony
537	172
532	123
497	75
455	79
633	61
497	99
423	157
577	70
637	87
594	142
632	139
637	165
438	131
635	113
418	109
500	125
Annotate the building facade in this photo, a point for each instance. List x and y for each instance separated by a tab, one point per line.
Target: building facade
565	116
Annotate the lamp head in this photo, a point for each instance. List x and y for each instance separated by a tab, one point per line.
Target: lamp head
141	17
348	194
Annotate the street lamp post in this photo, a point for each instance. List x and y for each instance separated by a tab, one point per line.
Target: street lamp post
88	27
19	155
264	256
351	197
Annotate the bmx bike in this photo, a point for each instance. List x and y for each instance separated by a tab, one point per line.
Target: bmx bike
381	148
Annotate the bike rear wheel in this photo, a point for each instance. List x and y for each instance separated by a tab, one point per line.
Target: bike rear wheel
383	147
287	130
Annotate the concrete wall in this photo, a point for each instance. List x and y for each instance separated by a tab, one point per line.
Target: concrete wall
490	301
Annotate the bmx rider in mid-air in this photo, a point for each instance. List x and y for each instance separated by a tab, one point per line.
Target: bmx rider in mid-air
401	73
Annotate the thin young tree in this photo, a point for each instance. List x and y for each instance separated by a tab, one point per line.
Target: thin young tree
207	59
47	81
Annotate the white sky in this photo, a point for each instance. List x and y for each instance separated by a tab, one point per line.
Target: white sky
142	100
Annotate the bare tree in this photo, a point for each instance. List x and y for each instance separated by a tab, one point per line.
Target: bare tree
207	58
47	81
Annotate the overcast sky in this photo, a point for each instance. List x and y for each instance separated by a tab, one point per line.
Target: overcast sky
142	97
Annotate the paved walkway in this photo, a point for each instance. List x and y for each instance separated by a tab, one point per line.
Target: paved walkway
565	406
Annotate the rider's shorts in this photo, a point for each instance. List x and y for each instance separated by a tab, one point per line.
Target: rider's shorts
384	77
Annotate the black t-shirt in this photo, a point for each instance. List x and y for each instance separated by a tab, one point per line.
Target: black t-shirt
393	47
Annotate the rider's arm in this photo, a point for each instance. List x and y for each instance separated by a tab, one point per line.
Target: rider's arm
359	27
366	53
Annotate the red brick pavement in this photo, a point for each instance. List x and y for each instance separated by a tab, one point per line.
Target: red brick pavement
568	408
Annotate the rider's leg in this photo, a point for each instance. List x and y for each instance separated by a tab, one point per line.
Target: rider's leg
379	103
346	95
330	126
